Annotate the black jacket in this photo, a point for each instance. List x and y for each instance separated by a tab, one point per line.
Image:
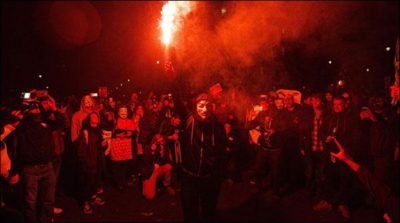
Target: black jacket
34	143
203	147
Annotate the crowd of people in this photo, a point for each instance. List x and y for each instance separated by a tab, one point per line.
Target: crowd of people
166	142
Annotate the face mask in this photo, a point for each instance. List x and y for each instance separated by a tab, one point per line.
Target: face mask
202	109
123	113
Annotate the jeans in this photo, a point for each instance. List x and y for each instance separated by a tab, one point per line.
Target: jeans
39	180
150	185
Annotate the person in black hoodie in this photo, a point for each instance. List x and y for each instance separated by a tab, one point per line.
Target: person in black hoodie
35	155
202	155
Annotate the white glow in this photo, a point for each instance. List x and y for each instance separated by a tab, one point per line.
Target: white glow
172	15
367	69
223	11
388	48
47	87
330	62
157	62
40	76
121	84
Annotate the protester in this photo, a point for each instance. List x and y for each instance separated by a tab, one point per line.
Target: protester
202	155
90	144
157	165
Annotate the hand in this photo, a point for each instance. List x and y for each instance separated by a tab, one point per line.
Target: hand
104	142
120	135
63	109
394	91
341	155
108	151
52	103
169	68
367	114
329	139
17	113
174	136
387	218
270	131
14	179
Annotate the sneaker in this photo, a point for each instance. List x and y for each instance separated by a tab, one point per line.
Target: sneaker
322	206
344	210
97	201
147	214
100	190
87	209
57	210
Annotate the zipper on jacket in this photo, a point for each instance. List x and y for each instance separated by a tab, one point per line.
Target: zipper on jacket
201	153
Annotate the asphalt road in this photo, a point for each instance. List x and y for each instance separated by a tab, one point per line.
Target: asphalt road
236	203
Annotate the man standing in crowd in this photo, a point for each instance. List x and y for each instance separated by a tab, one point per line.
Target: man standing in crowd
87	106
202	156
343	126
312	148
291	162
380	134
36	153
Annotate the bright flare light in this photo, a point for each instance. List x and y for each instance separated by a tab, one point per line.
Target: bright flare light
171	17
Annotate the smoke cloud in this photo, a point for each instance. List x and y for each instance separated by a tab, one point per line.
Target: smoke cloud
254	42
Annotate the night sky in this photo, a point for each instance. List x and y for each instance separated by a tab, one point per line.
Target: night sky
78	46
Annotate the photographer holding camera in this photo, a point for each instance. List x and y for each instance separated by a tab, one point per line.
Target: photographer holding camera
35	148
168	109
157	165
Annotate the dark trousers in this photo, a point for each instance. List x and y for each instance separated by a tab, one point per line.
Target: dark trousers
292	168
199	198
120	172
341	184
39	180
88	182
267	159
315	172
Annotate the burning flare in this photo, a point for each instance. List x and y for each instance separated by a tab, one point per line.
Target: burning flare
171	17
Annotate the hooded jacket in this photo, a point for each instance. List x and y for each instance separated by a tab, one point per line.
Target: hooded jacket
203	147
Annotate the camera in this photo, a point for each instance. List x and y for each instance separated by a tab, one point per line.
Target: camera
37	95
25	95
